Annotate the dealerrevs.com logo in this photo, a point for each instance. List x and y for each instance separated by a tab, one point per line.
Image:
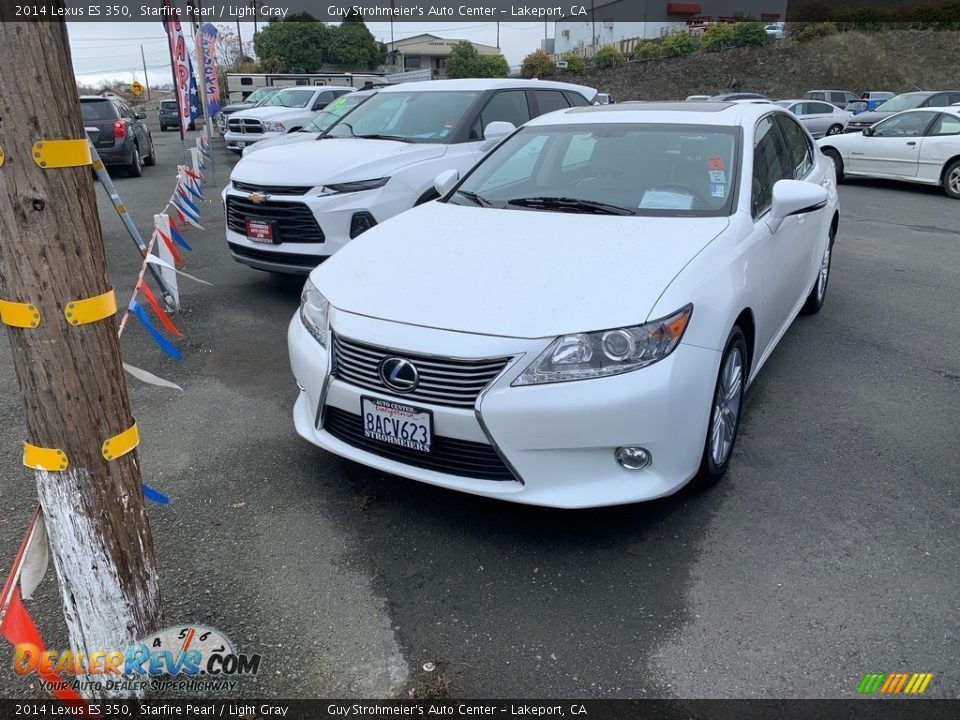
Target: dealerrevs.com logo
899	683
181	657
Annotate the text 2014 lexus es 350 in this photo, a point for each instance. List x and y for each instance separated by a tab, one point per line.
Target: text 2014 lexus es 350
574	322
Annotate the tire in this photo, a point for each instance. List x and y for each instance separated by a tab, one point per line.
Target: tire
135	168
951	180
192	126
732	374
163	128
151	159
819	291
834	130
837	162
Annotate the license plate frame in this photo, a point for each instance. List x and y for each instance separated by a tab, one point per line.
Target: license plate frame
261	231
394	418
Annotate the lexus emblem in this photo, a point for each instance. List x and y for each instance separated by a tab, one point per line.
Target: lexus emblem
399	374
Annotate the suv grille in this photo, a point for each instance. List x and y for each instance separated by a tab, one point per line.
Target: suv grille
247	126
443	381
272	189
447	455
293	221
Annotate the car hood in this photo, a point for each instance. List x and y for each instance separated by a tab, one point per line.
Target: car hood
515	273
236	107
331	160
272	112
870	117
288	139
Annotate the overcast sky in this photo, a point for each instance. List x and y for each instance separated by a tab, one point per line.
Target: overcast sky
111	51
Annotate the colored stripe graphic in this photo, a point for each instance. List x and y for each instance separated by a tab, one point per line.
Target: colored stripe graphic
894	683
870	683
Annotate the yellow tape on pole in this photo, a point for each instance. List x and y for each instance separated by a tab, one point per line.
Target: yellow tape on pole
51	154
88	310
18	314
39	458
121	443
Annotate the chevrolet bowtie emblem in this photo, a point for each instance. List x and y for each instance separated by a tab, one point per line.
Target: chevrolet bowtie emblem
256	197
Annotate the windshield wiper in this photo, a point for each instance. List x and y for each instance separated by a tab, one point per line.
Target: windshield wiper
475	198
398	138
567	204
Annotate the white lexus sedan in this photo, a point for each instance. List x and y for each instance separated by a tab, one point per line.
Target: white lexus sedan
919	146
574	322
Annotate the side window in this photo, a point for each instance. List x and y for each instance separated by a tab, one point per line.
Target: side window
246	81
506	106
908	124
579	149
941	100
770	164
323	99
946	125
550	100
819	109
799	151
953	98
816	96
578	100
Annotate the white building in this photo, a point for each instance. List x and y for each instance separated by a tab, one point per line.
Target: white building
426	52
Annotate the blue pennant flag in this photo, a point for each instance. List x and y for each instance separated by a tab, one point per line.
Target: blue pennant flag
183	205
189	202
193	191
150	494
164	344
178	239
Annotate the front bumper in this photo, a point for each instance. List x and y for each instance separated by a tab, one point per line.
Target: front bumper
558	439
238	141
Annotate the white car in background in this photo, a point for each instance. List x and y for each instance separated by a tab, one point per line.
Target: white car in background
820	118
318	124
920	146
575	322
284	112
289	208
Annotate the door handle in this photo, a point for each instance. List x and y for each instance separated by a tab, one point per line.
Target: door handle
912	142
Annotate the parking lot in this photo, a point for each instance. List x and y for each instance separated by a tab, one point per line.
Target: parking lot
828	551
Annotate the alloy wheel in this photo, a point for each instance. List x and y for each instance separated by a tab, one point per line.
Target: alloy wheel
726	407
824	274
954	180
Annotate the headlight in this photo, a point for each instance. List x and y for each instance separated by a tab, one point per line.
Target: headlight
356	186
314	312
271	126
607	352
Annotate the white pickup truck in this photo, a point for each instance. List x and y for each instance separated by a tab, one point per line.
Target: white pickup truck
287	111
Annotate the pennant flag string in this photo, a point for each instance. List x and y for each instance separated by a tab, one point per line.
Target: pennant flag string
157	310
159	339
178	238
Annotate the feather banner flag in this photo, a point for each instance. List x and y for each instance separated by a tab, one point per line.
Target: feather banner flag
179	61
159	339
207	40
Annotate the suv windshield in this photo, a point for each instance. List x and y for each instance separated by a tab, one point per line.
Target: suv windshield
610	169
901	102
169	105
333	112
424	116
289	98
259	95
97	110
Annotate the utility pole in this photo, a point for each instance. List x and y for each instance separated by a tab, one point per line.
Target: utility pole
255	11
146	79
69	370
593	30
239	45
498	35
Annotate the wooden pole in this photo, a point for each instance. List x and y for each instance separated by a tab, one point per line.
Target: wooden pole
70	376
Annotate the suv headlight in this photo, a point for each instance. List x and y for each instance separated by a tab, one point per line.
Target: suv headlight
271	126
314	312
607	352
356	186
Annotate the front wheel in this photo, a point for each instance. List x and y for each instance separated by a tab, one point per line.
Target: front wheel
726	408
951	180
837	162
834	129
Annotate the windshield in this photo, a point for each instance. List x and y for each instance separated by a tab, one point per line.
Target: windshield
617	169
901	102
333	112
425	116
259	97
291	98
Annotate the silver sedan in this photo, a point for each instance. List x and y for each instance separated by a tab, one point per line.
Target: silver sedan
820	118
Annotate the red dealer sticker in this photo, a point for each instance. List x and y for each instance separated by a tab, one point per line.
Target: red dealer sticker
715	163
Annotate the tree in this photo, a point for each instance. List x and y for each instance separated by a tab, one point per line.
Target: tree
70	375
749	33
677	44
351	45
228	51
465	62
537	64
296	44
814	31
608	57
575	64
717	36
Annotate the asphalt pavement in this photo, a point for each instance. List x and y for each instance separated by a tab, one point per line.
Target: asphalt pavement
828	551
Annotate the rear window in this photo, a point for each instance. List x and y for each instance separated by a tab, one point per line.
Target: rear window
168	104
97	110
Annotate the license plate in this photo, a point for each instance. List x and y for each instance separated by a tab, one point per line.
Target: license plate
396	424
260	231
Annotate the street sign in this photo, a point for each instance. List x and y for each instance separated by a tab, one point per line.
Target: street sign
136	88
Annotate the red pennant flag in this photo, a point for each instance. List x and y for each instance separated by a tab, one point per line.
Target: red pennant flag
18	627
178	261
160	312
180	214
173	225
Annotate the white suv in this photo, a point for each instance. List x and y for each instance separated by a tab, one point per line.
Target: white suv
287	111
289	208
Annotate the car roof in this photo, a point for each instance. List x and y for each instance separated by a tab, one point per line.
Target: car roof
88	98
475	84
726	114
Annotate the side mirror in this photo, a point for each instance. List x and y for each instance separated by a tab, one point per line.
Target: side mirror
141	116
794	197
496	131
444	182
867	131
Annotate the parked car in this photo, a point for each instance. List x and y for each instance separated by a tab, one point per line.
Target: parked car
603	99
727	97
820	118
899	103
252	100
289	208
168	115
920	146
287	111
696	98
840	98
775	31
122	138
323	120
502	342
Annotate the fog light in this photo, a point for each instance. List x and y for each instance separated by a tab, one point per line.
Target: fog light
361	222
633	458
